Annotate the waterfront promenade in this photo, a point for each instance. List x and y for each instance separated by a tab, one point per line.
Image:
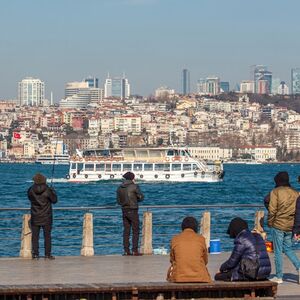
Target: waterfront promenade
112	269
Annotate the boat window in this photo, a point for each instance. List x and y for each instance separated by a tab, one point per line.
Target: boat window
182	153
187	167
137	167
73	166
89	167
99	167
116	167
108	167
102	153
162	167
148	167
170	153
176	167
127	167
195	167
79	167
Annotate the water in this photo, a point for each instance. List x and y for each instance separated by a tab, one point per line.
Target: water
243	184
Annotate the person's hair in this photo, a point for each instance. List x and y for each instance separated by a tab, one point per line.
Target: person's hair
236	226
282	179
189	222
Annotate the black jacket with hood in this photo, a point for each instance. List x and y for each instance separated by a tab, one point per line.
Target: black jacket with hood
129	194
41	197
246	245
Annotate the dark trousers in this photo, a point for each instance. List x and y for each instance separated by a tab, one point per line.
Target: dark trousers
130	220
225	276
35	230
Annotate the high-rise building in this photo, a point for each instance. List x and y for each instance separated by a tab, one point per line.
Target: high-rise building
224	87
283	89
31	91
208	86
185	81
92	82
117	87
275	85
295	82
261	73
247	86
263	87
73	88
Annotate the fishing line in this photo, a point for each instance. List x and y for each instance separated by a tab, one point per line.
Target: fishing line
54	159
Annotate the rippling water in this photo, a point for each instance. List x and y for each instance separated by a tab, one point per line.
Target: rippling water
243	184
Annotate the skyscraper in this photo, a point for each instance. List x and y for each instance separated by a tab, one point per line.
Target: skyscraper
118	87
185	81
261	73
295	81
31	91
224	87
92	82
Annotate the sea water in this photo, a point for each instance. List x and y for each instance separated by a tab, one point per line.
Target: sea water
242	184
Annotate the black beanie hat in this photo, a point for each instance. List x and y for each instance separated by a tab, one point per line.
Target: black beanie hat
236	226
189	222
282	179
128	176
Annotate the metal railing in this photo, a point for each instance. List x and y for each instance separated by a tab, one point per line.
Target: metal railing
108	227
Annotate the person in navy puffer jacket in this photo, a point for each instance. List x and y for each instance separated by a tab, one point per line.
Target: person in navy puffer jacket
246	245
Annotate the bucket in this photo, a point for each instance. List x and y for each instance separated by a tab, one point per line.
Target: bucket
269	246
215	246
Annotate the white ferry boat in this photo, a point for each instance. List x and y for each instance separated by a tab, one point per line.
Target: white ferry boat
49	159
149	164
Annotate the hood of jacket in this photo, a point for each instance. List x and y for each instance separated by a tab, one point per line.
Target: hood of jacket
126	183
39	189
236	226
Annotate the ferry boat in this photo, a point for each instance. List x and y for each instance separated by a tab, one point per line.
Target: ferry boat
48	159
148	164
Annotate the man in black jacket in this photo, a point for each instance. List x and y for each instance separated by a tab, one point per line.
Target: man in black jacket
128	196
41	197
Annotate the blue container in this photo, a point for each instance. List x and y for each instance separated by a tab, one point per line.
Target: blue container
215	246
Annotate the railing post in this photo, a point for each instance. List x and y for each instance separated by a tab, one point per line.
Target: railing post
87	248
25	250
259	223
146	245
205	227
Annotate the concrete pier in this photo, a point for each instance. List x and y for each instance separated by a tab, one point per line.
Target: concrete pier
113	269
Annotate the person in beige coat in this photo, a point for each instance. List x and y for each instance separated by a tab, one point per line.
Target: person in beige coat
188	255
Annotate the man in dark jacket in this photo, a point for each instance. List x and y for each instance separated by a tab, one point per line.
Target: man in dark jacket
41	197
128	196
246	245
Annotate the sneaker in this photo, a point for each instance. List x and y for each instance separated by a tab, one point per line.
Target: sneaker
50	257
35	256
276	279
126	253
136	253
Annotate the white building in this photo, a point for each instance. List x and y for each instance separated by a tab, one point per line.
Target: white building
31	91
208	86
283	89
164	92
247	86
210	153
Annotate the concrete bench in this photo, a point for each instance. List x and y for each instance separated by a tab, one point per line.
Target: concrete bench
150	290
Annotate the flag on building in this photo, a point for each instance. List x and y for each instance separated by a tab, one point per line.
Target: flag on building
16	135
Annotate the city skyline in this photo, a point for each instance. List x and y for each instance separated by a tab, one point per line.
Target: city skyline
68	40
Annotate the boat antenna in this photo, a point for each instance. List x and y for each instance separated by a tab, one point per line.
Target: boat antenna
54	159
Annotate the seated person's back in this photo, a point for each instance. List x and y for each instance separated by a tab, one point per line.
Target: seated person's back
247	245
188	255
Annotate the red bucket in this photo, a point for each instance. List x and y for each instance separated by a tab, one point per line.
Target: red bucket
269	246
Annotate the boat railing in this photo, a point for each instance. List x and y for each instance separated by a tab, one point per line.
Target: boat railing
103	224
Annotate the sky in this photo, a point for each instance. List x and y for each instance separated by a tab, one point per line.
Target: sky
60	41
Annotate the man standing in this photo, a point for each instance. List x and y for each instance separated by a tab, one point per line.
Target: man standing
128	196
41	197
188	255
281	209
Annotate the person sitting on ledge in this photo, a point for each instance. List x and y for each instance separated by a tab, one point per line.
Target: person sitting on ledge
188	255
249	259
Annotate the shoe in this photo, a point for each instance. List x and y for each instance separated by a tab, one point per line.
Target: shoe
277	280
50	257
35	256
136	253
126	253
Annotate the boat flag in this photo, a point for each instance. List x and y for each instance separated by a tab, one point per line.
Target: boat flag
16	135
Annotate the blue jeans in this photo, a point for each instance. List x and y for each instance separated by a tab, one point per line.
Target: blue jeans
282	241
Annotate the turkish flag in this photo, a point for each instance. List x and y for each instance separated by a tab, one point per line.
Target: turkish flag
17	135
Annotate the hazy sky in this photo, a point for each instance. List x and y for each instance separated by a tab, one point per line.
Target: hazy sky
151	40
